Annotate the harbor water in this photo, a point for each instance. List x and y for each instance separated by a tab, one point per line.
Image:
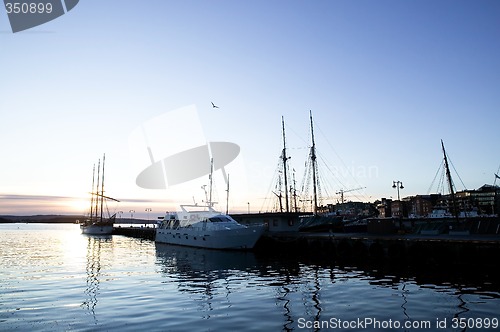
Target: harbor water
55	279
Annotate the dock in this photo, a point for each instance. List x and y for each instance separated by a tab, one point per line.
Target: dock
434	249
141	232
399	248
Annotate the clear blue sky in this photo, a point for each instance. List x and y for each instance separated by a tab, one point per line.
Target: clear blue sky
385	80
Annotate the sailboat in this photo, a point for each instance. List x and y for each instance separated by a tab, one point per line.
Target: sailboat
96	223
285	217
317	222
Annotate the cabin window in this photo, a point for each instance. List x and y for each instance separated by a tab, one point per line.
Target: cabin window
217	219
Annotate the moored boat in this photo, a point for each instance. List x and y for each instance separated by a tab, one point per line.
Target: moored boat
96	223
205	227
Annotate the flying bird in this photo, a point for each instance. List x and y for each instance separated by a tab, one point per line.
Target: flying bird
214	106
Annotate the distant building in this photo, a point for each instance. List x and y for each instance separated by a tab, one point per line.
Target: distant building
384	208
484	200
353	210
398	209
421	206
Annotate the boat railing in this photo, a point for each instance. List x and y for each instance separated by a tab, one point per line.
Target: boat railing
175	224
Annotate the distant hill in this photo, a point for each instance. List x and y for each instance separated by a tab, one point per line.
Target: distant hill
71	219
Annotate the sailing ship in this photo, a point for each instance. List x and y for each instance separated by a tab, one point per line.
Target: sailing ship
96	223
204	227
317	222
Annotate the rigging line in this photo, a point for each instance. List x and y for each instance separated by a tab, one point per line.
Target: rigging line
451	162
269	190
435	176
342	185
334	151
442	180
306	142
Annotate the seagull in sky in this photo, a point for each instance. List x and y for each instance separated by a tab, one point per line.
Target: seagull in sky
214	106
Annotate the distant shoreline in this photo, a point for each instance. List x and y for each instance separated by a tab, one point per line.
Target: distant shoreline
63	219
67	219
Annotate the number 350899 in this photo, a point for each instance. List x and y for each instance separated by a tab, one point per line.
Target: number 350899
28	8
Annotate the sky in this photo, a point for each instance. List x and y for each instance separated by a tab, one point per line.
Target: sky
385	81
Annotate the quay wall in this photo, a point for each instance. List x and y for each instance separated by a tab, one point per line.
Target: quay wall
147	233
399	249
395	248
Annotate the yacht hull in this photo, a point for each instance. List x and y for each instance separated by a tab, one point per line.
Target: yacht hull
237	239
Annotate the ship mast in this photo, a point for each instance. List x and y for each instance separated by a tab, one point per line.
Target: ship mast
97	190
92	195
313	159
285	158
450	182
294	193
102	185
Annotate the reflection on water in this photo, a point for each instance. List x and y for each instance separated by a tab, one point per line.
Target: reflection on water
319	290
54	278
93	269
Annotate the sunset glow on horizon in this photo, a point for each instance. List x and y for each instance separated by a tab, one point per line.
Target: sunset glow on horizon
385	82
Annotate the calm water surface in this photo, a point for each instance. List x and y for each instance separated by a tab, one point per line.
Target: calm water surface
55	279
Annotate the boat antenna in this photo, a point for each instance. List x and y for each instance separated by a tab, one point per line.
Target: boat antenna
450	182
313	159
211	176
285	158
227	196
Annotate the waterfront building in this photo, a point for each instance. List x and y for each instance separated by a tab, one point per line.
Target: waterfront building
484	200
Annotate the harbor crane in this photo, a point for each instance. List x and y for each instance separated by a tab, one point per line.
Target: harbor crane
342	191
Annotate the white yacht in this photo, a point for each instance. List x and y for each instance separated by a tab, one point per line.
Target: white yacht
206	228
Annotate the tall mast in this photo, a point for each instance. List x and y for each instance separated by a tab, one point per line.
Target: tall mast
102	184
92	195
450	182
210	189
97	189
294	193
313	159
227	196
285	158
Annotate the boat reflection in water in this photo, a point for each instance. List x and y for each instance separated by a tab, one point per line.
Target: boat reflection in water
203	265
95	244
314	288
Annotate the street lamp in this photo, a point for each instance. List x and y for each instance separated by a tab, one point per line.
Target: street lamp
399	185
131	214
